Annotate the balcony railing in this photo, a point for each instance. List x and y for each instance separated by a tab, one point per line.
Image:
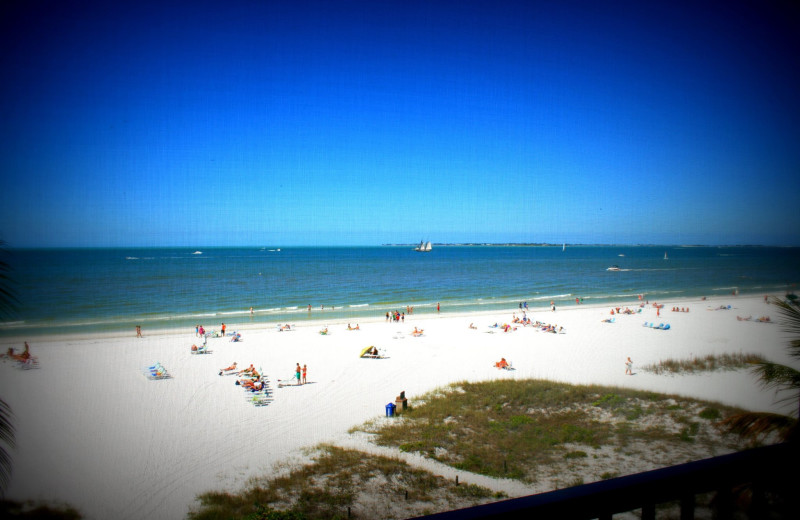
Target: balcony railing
767	471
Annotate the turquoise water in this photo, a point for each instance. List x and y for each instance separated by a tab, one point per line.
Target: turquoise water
79	290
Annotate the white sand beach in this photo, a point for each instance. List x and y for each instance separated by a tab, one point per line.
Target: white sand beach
93	431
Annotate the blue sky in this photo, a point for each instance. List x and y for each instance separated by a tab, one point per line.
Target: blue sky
350	123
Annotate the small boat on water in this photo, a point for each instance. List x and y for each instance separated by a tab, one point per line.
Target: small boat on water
424	247
613	268
665	256
197	253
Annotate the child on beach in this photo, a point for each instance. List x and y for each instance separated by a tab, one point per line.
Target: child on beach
628	367
305	371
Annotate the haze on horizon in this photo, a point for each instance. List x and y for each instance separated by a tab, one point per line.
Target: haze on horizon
366	123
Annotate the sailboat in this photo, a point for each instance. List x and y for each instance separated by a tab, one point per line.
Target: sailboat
564	247
424	247
665	256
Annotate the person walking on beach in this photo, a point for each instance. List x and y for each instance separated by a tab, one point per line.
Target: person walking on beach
305	372
297	372
223	330
437	307
628	367
138	331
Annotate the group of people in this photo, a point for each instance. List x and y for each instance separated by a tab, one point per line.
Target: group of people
762	319
680	309
357	327
300	374
395	316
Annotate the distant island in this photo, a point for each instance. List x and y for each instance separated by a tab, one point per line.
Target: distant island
567	244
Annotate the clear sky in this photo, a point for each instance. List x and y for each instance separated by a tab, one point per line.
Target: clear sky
362	123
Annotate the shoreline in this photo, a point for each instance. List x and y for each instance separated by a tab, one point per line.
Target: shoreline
319	321
93	431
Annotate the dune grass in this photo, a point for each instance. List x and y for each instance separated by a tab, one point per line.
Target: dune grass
341	483
528	430
512	428
704	364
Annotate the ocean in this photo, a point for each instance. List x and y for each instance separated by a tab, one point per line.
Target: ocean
111	290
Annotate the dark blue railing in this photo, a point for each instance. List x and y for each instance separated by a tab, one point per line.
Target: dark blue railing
759	470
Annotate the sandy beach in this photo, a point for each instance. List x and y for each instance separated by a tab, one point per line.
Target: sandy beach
93	431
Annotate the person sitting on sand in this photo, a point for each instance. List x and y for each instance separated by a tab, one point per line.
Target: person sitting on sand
324	331
417	332
472	326
502	363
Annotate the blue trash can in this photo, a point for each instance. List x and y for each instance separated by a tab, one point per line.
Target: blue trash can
390	410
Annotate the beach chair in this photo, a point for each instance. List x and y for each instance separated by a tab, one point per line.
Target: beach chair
202	349
156	371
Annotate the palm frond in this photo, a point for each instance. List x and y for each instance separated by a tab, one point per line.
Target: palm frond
7	437
790	322
774	375
8	299
756	426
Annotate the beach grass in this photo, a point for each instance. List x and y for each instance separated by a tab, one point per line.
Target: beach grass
340	483
514	429
527	430
707	363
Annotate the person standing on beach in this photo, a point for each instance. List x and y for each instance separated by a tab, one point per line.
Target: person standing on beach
437	307
297	371
305	372
138	331
628	367
223	330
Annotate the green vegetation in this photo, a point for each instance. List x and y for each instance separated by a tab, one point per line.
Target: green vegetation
513	428
527	430
704	364
757	427
335	483
37	510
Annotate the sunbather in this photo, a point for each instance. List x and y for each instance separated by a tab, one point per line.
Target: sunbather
502	363
228	369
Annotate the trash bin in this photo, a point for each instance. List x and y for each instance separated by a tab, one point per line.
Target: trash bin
390	410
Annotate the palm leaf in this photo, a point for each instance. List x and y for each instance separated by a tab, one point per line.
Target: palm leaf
8	300
759	425
774	375
791	323
7	438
